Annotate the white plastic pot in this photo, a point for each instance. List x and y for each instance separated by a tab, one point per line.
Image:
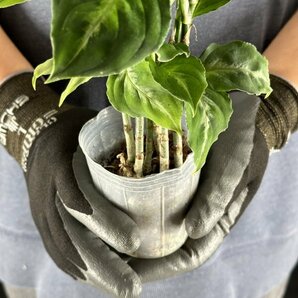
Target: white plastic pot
157	203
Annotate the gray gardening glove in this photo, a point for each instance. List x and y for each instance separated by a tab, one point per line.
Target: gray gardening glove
230	178
74	227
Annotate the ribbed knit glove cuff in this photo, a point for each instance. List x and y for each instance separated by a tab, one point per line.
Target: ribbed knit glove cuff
24	113
278	114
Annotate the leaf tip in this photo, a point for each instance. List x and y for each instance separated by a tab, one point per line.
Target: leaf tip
34	78
270	90
62	98
198	166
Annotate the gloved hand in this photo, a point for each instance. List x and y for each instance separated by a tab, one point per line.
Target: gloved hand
74	227
229	180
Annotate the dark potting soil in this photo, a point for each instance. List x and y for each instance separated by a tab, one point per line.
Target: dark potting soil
115	164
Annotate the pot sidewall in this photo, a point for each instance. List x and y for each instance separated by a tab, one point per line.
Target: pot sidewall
157	203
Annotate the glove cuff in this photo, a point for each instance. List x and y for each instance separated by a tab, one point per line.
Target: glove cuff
277	116
24	113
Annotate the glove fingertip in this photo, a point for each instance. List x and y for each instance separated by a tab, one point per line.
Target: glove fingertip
134	292
125	239
126	246
132	244
132	287
133	239
194	228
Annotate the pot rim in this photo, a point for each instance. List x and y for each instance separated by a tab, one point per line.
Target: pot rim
156	178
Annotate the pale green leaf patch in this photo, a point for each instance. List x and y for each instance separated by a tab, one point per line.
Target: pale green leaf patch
212	118
73	84
42	69
8	3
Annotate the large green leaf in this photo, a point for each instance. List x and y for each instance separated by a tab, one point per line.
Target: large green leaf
136	93
212	117
205	6
102	37
184	77
236	66
170	51
7	3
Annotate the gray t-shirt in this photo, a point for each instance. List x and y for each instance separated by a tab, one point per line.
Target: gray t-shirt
261	249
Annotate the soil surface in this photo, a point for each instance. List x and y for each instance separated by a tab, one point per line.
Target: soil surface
118	165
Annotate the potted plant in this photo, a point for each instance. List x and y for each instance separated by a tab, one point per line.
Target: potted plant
154	82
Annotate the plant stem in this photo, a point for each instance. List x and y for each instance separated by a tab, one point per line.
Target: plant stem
129	138
155	137
178	150
164	157
178	153
149	147
187	9
139	161
176	34
192	6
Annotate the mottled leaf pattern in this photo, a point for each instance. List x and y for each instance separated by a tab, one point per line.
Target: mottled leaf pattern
212	118
236	66
98	38
184	77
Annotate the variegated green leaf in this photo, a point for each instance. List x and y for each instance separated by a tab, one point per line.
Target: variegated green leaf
212	118
236	66
184	77
97	38
136	93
